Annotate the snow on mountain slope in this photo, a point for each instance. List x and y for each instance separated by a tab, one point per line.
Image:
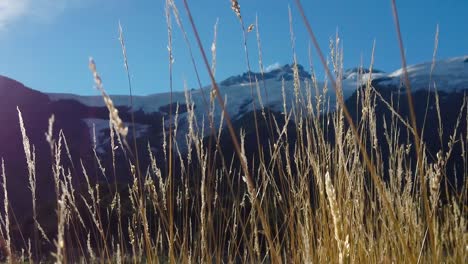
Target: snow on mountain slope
448	74
237	95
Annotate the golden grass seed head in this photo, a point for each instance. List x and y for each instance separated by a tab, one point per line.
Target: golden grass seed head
236	8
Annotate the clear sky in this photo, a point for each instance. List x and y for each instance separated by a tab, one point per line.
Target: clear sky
46	43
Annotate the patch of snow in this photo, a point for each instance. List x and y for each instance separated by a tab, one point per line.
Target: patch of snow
101	128
447	75
96	130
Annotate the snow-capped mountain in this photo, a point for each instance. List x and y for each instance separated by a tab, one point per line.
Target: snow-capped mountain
268	89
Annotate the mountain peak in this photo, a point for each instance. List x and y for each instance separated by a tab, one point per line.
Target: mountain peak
353	72
285	72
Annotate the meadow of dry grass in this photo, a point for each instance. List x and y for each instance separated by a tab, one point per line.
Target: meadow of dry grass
307	200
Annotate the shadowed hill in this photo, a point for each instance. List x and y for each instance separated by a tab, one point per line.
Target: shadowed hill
36	109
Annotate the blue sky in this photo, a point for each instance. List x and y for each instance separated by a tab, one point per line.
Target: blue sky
46	43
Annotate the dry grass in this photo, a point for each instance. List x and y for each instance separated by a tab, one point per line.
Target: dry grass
306	199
